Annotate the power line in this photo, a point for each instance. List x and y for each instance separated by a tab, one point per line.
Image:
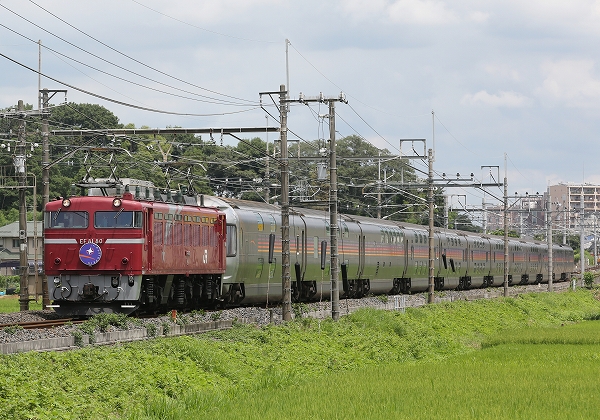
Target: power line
120	102
125	55
203	29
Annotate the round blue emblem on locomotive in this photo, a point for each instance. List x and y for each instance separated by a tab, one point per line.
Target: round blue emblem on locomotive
90	254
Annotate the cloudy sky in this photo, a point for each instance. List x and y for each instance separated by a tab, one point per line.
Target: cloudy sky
510	77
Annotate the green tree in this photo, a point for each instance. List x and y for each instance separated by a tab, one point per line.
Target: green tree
500	232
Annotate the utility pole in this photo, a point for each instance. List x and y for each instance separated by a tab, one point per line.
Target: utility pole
21	172
266	183
582	237
430	295
505	222
333	199
379	186
333	210
285	210
46	187
46	174
549	235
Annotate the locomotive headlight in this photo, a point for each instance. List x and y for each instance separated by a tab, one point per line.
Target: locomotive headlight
130	281
56	281
66	202
117	202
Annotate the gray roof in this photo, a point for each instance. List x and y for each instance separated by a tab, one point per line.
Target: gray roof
12	230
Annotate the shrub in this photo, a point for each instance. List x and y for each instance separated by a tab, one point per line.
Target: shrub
588	279
151	329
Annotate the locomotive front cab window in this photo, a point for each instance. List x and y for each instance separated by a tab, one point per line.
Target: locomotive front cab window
118	219
66	219
231	242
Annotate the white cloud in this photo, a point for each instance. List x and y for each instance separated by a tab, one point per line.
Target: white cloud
571	82
478	17
420	12
503	72
502	99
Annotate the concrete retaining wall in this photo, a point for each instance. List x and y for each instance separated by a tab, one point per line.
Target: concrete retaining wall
66	343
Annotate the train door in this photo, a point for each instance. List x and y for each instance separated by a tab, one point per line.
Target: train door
148	238
298	243
361	253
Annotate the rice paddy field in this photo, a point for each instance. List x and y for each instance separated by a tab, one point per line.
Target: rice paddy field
536	356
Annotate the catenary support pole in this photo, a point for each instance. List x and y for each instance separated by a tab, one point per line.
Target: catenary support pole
430	295
549	235
21	172
45	185
505	222
285	211
333	210
582	238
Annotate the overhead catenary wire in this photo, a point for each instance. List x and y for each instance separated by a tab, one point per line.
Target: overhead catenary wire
124	103
203	29
59	55
116	65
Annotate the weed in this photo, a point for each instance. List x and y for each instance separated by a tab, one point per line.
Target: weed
299	309
78	338
12	329
588	279
383	298
151	329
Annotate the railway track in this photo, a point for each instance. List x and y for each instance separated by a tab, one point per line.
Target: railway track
51	323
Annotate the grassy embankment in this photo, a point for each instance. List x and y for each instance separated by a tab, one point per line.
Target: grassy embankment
10	303
503	358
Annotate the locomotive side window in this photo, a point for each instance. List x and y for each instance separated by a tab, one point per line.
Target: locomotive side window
67	219
231	241
118	219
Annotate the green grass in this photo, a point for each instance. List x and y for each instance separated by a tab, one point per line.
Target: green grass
10	303
455	360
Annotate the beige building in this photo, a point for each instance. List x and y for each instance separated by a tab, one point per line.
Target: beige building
566	202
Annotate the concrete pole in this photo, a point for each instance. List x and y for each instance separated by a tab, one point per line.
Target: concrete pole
21	172
550	250
45	185
333	219
505	216
285	211
582	238
430	295
379	187
266	183
445	212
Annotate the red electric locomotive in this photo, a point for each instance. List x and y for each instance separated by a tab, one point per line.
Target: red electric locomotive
120	254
